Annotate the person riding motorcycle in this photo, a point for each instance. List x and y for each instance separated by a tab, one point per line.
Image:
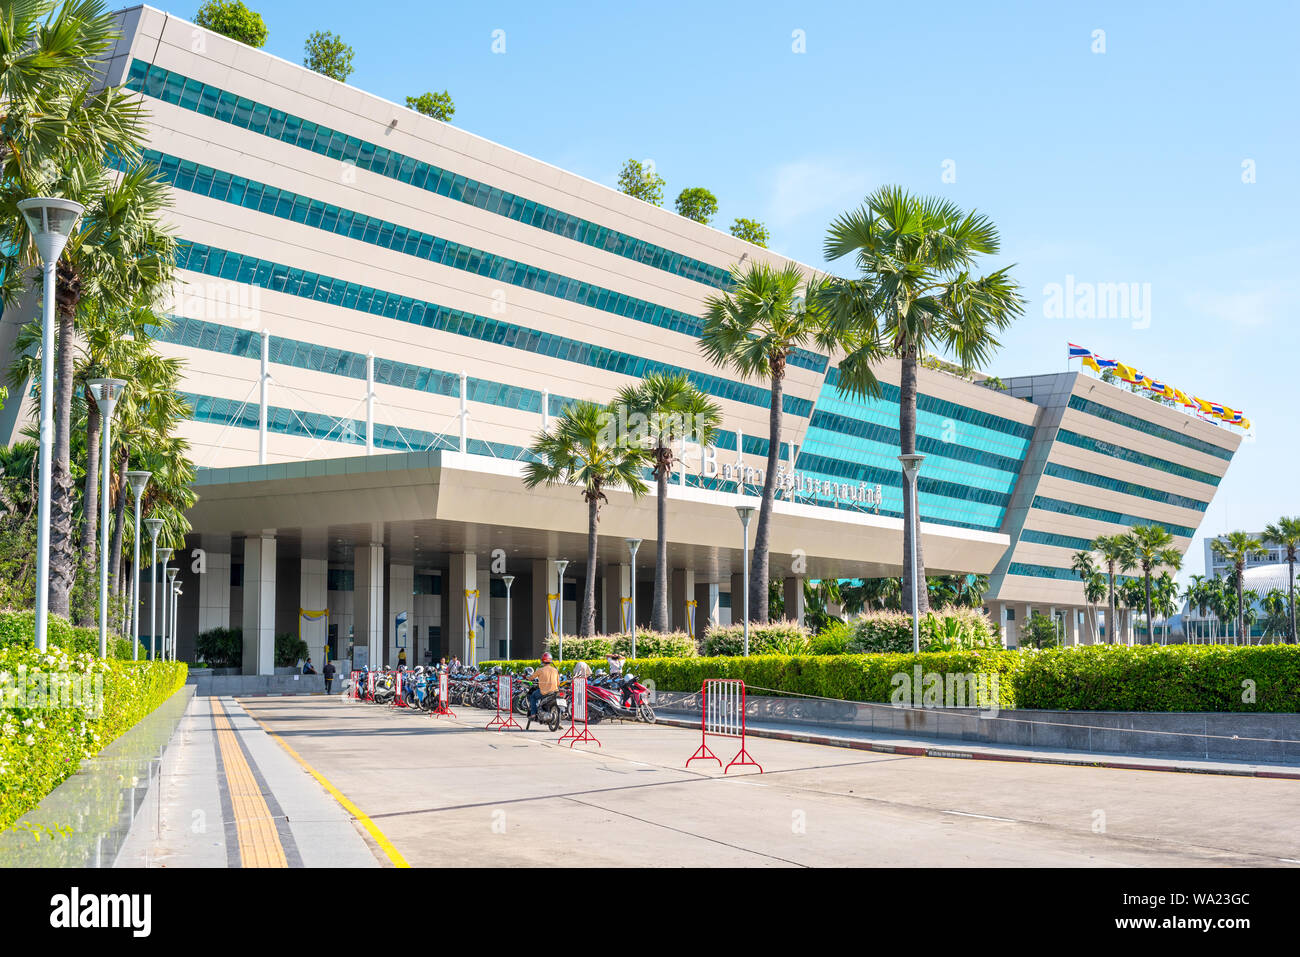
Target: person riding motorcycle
548	682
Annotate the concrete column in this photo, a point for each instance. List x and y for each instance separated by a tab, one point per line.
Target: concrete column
682	590
368	602
259	604
483	649
313	579
214	591
463	577
794	603
546	582
713	606
401	598
616	582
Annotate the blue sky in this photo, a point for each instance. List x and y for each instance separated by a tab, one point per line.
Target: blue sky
1123	166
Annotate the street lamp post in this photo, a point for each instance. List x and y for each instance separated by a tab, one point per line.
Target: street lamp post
155	526
139	482
509	580
176	603
911	467
632	545
746	512
50	221
165	554
560	566
170	653
105	392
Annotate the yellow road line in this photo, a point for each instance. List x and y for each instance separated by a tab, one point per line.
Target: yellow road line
259	841
381	839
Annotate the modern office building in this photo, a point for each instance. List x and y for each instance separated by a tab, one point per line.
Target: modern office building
380	311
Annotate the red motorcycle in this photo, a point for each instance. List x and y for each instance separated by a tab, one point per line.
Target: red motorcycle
618	696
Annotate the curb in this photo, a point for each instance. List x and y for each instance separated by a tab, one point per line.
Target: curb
861	744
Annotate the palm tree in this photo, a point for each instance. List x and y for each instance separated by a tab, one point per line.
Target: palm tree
752	329
1111	549
1164	597
1277	619
673	410
120	255
580	450
1286	533
1239	548
1148	547
1084	564
915	293
1196	596
1094	591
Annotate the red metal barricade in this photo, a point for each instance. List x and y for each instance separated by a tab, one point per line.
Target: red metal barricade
370	686
579	708
443	685
399	699
356	685
722	714
505	704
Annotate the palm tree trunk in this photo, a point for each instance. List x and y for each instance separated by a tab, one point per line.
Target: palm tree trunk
1110	617
90	494
907	446
588	626
659	605
1290	564
1241	608
1151	633
758	567
62	553
119	526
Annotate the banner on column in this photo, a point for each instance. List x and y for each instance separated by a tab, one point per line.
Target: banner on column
690	616
471	612
306	614
552	614
625	614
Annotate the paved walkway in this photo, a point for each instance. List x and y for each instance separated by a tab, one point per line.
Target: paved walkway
229	795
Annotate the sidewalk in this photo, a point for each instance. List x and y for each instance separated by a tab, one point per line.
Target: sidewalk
935	747
229	795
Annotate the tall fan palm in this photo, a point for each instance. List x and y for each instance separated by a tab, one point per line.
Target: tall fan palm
1111	550
1285	532
582	450
1196	596
1146	548
1094	592
1084	564
1239	548
915	294
753	328
120	255
672	411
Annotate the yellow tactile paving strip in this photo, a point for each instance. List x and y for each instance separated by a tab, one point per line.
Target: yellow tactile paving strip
259	842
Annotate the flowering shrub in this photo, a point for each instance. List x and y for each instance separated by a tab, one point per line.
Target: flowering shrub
65	704
949	629
771	638
649	644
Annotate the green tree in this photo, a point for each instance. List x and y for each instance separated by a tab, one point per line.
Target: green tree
697	203
1196	596
578	451
1146	548
751	231
1084	565
1111	550
641	181
752	329
56	134
326	53
1238	548
1285	533
437	105
663	410
232	19
915	293
1039	631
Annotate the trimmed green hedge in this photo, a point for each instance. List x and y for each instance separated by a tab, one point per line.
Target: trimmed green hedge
1199	678
1162	678
649	644
769	638
42	746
